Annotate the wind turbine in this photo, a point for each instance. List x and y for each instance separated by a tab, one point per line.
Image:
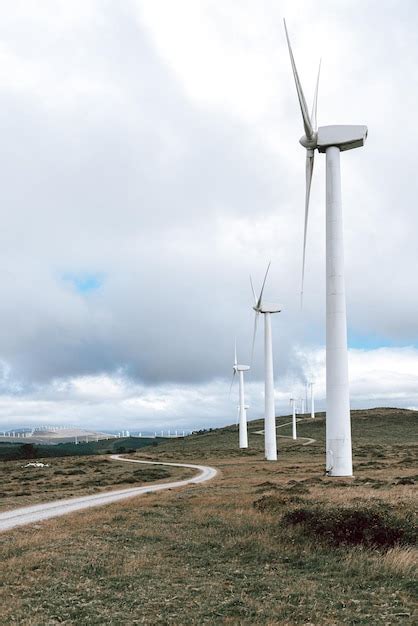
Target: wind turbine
293	402
331	140
302	406
242	408
311	385
270	439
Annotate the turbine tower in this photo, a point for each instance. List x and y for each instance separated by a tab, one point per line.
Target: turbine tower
293	402
331	140
270	439
311	385
242	408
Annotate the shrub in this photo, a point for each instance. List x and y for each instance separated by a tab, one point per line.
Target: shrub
371	526
272	503
28	451
297	487
152	473
406	480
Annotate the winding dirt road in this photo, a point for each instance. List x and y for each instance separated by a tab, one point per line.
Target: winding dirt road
308	440
39	512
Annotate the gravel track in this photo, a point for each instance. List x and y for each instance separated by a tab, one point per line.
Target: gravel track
39	512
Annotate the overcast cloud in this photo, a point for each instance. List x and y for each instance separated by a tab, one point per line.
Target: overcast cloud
150	162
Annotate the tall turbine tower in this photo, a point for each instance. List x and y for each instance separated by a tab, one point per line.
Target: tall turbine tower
270	439
293	402
311	385
242	408
331	140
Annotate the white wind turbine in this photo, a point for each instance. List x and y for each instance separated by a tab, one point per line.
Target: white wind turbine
270	439
331	140
242	407
311	385
293	402
302	406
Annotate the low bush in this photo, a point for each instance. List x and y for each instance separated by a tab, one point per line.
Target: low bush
152	473
406	480
371	526
273	503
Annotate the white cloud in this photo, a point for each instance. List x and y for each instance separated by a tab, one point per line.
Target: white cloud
156	144
381	377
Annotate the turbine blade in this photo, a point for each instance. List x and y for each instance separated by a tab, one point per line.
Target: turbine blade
252	288
232	382
315	101
254	335
302	102
262	288
235	354
309	171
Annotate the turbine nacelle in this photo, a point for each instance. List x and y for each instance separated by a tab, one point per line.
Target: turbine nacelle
344	137
267	307
241	368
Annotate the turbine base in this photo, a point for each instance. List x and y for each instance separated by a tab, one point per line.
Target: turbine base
339	457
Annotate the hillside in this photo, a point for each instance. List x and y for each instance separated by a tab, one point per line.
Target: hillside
264	543
378	427
25	450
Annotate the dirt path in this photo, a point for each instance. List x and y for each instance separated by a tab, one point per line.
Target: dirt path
308	440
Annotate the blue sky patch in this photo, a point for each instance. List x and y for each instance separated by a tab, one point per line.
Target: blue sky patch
371	341
84	282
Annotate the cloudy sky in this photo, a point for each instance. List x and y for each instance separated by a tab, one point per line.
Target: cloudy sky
150	162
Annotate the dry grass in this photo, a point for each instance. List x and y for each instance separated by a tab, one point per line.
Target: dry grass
206	555
398	562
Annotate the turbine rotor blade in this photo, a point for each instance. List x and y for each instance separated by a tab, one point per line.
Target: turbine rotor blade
252	288
315	101
309	132
254	335
235	354
310	155
232	382
262	288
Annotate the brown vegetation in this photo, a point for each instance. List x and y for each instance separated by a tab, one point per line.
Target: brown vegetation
221	553
74	476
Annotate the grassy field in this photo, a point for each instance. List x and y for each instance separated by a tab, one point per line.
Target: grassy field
264	543
74	476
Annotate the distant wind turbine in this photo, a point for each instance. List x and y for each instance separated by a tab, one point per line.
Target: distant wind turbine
242	407
293	402
311	385
270	439
331	140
